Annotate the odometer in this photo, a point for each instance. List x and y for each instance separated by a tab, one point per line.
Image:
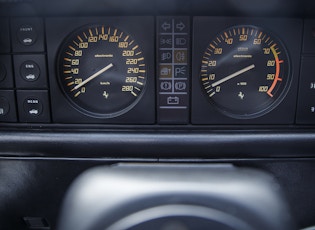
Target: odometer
102	70
245	71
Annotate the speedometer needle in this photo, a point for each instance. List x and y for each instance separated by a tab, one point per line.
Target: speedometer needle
233	75
93	76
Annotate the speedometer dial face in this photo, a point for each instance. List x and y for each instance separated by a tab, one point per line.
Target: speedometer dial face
245	72
102	71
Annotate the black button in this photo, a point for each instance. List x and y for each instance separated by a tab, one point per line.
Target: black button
27	35
7	106
6	73
4	106
29	71
33	106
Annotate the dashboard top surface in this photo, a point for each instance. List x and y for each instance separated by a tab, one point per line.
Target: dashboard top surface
256	8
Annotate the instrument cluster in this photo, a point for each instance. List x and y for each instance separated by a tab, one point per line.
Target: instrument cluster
157	70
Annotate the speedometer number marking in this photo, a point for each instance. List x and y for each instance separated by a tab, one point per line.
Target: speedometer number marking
100	69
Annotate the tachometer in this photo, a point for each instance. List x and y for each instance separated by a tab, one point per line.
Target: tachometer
245	71
102	70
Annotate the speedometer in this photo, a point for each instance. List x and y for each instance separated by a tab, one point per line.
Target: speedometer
245	71
102	70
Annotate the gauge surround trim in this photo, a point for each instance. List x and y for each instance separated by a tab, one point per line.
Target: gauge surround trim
206	28
141	29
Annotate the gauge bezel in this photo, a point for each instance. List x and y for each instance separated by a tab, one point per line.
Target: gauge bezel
270	106
71	99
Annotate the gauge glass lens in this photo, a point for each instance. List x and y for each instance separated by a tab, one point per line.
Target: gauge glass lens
245	72
102	70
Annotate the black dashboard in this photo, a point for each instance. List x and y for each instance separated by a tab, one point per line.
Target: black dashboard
100	83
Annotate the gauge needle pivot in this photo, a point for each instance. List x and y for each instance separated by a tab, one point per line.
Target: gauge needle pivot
93	76
233	75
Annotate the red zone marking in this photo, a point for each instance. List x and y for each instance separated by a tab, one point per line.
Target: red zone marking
278	62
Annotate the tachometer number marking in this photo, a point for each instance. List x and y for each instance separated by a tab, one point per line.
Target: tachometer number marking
244	71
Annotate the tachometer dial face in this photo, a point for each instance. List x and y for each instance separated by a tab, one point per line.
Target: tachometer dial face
245	72
102	70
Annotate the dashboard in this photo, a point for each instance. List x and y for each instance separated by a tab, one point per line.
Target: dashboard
85	84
